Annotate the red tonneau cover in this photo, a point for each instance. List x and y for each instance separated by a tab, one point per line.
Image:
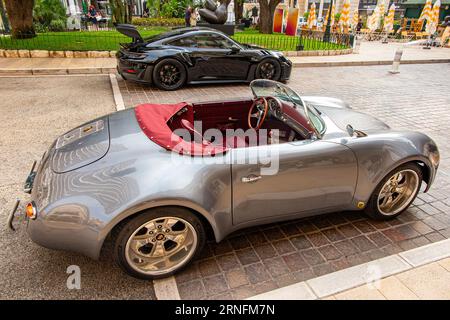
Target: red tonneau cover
152	119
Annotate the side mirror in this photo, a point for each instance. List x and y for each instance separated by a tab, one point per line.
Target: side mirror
355	133
235	49
350	130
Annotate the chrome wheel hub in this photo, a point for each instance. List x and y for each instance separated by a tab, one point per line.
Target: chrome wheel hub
161	245
398	192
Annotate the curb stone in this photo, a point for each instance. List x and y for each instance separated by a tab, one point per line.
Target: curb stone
39	54
24	53
342	280
11	54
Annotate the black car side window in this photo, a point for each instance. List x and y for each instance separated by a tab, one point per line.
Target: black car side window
213	42
186	42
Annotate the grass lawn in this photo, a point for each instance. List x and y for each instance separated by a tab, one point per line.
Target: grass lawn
282	42
109	40
75	40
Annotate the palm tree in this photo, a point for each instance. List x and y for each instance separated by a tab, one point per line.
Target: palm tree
20	13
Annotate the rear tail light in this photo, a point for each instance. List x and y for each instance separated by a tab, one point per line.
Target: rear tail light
130	71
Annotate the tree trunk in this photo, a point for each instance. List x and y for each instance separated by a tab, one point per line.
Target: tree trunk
20	13
95	4
266	11
130	11
238	8
121	10
4	17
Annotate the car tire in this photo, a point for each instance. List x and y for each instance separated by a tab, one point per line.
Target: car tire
395	193
269	69
146	255
169	74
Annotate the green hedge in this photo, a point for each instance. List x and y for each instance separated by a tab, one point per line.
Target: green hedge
149	22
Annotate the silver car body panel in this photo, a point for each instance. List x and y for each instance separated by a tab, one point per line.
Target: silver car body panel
77	209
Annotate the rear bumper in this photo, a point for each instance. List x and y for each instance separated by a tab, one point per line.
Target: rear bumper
66	218
138	72
286	69
66	213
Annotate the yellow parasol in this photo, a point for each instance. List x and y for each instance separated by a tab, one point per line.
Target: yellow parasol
355	18
382	8
312	20
389	20
426	12
434	18
345	14
373	22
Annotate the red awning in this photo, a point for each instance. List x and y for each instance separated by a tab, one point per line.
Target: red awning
152	119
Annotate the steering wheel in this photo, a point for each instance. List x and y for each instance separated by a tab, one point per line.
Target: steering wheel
260	113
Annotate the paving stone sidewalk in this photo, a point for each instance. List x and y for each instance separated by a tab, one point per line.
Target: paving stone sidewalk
374	52
431	281
261	259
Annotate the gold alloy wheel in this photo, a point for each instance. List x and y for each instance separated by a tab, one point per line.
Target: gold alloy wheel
161	245
398	192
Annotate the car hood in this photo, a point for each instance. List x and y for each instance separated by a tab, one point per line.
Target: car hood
342	115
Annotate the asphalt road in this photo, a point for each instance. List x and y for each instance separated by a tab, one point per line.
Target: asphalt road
33	112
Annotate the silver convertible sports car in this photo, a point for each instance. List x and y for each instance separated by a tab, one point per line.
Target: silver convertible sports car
158	179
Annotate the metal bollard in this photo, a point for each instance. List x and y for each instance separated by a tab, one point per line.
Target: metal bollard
396	62
357	44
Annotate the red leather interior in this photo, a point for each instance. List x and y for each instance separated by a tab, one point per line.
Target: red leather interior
218	114
159	121
153	120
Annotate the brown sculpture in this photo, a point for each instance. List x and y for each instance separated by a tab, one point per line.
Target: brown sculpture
215	14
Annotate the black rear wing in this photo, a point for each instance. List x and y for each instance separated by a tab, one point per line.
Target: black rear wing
130	31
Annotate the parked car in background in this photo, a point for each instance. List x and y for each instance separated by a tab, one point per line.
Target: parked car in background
196	55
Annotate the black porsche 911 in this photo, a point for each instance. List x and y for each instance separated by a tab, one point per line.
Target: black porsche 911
196	55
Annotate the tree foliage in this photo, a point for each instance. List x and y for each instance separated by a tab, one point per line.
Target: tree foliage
121	10
49	14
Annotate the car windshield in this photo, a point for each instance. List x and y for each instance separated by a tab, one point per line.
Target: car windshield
269	88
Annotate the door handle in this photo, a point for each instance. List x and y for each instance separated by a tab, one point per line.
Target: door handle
250	178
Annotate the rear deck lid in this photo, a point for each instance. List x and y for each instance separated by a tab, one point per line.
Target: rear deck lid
81	146
130	31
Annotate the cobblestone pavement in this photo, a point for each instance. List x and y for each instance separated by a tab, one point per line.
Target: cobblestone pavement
260	259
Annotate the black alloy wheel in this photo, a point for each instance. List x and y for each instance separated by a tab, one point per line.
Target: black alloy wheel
169	74
268	69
